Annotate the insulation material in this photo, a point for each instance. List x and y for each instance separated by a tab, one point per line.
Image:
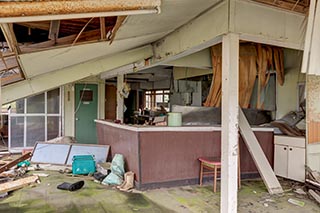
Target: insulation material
254	60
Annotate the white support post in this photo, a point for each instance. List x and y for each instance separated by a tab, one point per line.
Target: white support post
120	103
230	113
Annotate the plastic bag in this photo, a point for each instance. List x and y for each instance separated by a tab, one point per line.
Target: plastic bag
117	171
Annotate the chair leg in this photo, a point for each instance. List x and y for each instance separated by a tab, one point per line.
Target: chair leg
215	179
201	173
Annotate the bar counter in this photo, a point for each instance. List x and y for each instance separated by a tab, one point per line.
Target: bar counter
162	156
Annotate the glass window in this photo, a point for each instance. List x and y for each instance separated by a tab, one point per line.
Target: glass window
52	127
17	131
35	129
17	106
35	104
53	100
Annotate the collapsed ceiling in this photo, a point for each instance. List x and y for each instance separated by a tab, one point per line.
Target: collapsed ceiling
21	38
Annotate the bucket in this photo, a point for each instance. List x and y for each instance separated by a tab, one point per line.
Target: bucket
174	119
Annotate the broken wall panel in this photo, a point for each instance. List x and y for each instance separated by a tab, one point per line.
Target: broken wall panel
313	108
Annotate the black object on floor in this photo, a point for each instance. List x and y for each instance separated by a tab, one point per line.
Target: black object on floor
99	176
71	186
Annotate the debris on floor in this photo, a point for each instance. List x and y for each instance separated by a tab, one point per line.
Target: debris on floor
71	186
296	202
315	195
18	184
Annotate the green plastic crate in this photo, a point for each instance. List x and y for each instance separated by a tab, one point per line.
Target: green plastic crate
83	164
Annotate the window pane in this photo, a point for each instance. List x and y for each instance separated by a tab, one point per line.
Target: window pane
35	129
159	91
17	106
35	104
17	131
166	98
52	127
53	101
159	98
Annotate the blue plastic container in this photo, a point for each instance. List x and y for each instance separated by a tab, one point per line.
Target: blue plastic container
83	164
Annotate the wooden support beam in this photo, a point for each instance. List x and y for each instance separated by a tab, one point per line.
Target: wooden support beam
265	170
120	102
17	184
8	33
103	28
120	20
54	30
229	133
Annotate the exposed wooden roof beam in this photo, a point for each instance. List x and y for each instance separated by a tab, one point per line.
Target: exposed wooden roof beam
103	28
120	20
92	35
7	30
54	30
301	8
61	9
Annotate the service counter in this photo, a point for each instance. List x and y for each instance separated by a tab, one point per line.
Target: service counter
163	156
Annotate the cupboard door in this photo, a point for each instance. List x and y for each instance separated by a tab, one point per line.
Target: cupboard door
281	160
296	163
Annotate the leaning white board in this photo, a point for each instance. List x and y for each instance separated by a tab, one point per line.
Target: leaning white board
264	168
50	153
62	154
100	152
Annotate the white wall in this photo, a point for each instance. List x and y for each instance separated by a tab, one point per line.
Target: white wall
287	95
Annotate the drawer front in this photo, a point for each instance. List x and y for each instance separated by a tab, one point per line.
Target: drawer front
281	160
290	141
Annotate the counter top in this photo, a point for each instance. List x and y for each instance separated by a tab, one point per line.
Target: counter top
142	128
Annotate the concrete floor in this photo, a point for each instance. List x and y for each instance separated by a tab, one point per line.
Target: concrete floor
93	197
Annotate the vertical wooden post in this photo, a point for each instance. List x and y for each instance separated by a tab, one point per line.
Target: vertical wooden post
120	79
230	119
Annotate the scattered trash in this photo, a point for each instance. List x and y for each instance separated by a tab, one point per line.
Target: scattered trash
71	186
3	195
15	162
270	200
315	195
128	182
99	176
117	171
254	192
23	163
41	174
266	205
300	191
296	202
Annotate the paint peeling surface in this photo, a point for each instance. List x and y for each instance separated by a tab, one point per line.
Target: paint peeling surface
58	7
313	108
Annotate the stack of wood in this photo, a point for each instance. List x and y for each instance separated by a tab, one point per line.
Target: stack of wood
255	60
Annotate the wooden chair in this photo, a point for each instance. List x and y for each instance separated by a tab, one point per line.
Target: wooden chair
213	166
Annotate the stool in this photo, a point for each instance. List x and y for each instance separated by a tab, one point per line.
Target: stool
214	168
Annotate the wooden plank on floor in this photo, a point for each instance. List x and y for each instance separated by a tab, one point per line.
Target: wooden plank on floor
265	170
17	184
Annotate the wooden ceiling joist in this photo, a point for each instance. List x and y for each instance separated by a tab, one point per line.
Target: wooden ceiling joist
67	9
87	36
300	6
54	30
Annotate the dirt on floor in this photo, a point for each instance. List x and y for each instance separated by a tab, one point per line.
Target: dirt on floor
94	197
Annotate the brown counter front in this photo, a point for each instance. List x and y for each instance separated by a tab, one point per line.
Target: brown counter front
167	156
